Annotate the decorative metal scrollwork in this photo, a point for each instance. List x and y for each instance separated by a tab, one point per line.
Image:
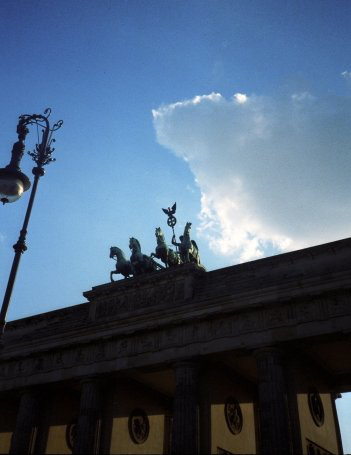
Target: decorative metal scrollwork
138	425
316	406
233	415
43	151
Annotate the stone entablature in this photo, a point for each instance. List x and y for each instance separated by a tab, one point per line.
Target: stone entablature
186	312
248	330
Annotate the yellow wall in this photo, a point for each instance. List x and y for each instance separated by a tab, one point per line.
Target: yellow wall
63	409
220	388
7	424
125	400
57	440
325	435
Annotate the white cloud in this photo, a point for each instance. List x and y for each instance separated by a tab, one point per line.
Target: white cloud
240	98
346	75
169	108
301	97
273	172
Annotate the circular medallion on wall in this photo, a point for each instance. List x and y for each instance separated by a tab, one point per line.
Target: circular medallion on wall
71	431
316	406
138	425
233	415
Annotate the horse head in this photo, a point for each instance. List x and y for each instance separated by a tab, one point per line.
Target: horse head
187	228
115	251
159	233
134	245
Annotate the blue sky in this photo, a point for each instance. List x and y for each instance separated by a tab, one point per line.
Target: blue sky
146	90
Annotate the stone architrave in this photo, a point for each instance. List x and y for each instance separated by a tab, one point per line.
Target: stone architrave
273	410
87	435
185	419
23	436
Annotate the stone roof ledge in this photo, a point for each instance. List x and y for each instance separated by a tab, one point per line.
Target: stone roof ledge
147	279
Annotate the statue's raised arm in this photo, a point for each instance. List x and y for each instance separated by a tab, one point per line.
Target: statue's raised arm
174	240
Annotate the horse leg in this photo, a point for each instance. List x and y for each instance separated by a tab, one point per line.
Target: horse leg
113	272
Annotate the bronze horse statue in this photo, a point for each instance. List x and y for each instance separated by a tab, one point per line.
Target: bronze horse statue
189	251
141	263
168	256
123	266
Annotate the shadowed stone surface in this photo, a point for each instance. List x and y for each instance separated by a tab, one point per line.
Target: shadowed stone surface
297	303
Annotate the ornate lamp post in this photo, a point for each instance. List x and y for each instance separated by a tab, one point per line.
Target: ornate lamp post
13	183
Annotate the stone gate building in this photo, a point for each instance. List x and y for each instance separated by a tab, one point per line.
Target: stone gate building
245	359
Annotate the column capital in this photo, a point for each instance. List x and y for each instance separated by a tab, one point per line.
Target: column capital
88	379
272	351
186	362
33	391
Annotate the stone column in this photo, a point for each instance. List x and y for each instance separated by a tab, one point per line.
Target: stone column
273	410
204	413
24	434
87	436
292	392
185	419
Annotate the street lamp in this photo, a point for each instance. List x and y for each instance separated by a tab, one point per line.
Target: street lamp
13	183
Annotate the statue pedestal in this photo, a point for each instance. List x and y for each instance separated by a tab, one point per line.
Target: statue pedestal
161	289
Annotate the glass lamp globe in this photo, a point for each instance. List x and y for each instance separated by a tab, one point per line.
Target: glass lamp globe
12	184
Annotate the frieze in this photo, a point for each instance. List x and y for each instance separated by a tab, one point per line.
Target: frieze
112	306
100	353
148	342
334	306
146	297
20	367
75	315
194	333
58	360
179	335
120	348
164	294
280	316
39	364
219	328
172	337
305	311
80	356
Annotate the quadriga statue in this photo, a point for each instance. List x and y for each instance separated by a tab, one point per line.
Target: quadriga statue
168	256
141	263
189	251
123	266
